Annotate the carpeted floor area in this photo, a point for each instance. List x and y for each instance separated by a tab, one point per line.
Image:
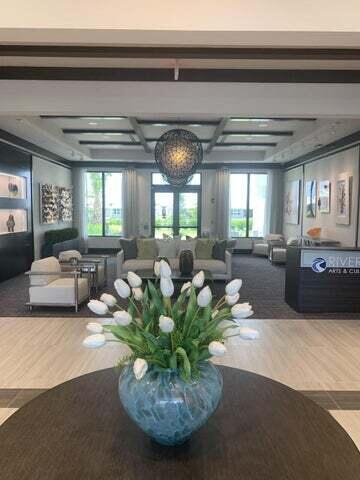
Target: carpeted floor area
263	287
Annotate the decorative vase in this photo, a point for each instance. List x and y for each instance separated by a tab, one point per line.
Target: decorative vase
186	262
167	408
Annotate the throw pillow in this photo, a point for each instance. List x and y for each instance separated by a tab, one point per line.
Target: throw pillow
167	248
219	250
204	248
187	245
147	248
129	246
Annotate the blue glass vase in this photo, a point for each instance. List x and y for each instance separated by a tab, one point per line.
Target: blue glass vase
167	408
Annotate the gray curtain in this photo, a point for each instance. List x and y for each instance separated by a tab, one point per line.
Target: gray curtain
222	200
130	206
274	203
79	205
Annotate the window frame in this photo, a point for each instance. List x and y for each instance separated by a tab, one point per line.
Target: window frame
176	212
248	182
103	207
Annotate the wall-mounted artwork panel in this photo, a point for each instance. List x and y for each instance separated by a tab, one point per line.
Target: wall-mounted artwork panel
324	196
13	221
343	199
12	186
292	202
49	203
310	199
65	204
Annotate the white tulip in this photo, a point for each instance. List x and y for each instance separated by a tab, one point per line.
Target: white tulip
204	297
241	310
94	327
166	286
94	341
122	288
140	368
217	349
198	280
98	307
186	287
214	313
232	299
248	333
138	294
122	318
165	270
108	299
233	287
166	324
157	269
134	280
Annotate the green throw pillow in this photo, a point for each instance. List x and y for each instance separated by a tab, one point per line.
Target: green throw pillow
130	248
204	248
147	248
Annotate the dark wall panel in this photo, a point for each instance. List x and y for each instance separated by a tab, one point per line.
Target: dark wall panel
16	249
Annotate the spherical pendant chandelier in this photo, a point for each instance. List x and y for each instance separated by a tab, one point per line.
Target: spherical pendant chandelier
178	153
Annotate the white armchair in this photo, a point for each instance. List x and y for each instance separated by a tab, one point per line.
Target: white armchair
49	286
262	247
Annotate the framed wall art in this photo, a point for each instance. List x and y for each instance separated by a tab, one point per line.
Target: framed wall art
65	204
310	199
343	199
49	203
12	186
324	196
292	202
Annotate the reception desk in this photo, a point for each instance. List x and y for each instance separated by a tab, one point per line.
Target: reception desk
323	279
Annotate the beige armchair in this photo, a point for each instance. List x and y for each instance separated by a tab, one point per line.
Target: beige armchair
49	286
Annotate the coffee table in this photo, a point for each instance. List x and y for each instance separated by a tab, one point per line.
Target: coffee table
262	430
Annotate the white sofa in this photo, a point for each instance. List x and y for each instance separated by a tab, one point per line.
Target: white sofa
49	286
219	270
98	261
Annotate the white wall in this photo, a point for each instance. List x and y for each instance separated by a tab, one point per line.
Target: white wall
46	172
329	168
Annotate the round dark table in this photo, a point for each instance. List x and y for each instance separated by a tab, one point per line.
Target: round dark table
261	430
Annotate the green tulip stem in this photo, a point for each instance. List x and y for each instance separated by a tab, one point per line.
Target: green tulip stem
134	305
220	302
192	321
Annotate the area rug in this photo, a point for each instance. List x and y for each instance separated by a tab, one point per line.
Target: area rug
263	287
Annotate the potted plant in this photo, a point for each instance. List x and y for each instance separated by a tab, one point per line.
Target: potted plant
168	385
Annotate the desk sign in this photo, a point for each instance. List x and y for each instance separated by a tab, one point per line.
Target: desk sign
344	262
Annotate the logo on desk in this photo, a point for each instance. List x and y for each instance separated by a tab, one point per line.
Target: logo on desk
318	265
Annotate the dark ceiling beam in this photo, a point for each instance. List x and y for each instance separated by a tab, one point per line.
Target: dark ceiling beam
139	133
248	144
73	51
217	133
79	131
99	142
155	139
215	75
83	117
209	123
275	119
256	133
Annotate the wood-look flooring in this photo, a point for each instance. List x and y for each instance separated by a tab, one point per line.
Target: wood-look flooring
319	358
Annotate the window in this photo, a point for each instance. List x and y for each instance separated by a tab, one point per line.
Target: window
104	204
176	210
247	204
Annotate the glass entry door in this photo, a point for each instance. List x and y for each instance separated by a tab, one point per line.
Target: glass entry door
175	213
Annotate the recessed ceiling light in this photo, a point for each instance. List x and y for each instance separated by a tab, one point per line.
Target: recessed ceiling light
250	120
104	118
194	125
247	135
92	123
160	124
110	134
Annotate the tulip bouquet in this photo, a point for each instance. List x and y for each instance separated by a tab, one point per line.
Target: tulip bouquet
166	334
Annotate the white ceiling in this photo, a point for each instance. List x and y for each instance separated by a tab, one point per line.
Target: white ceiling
323	114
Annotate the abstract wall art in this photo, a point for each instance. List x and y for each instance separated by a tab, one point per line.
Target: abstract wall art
343	199
310	199
49	203
65	204
324	196
292	202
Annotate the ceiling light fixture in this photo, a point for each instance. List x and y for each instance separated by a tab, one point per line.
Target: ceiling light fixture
160	124
250	120
178	153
